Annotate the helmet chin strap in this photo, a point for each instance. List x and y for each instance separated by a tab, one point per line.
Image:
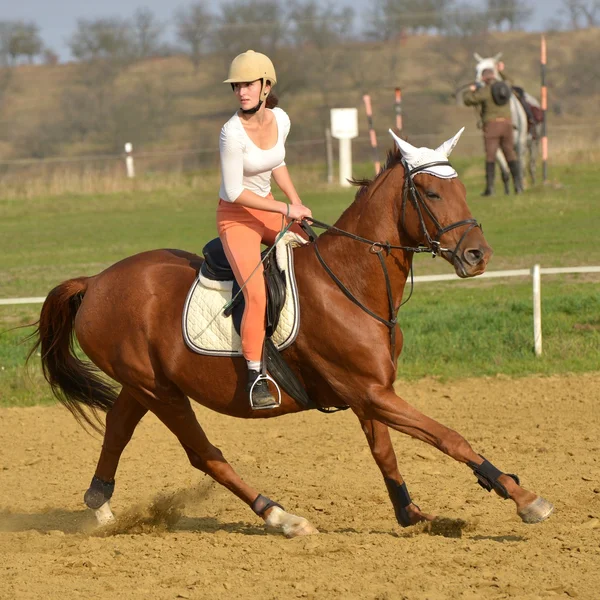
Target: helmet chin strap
251	111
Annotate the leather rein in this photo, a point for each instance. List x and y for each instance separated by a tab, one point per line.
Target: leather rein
409	192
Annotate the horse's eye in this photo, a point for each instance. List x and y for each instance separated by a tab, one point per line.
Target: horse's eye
432	195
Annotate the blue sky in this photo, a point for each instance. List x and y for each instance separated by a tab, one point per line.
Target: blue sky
57	19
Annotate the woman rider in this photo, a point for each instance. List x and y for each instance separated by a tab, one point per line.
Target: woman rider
252	150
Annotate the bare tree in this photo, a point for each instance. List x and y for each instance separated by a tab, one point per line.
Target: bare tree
194	26
147	32
320	34
50	57
109	39
466	21
251	24
388	19
5	33
515	13
19	38
582	13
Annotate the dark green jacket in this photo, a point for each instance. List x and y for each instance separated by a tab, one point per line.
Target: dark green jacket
489	109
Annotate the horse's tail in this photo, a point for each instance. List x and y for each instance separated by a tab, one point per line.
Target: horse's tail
75	383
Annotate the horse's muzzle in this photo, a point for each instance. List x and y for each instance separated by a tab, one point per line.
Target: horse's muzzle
472	260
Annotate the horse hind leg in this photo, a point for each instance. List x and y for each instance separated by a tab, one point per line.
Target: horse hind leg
504	170
121	421
386	406
177	414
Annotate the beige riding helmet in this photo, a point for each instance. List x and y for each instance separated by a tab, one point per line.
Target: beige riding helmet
250	66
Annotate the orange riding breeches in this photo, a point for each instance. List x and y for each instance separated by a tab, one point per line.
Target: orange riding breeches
242	230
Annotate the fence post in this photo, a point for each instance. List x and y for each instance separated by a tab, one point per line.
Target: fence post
329	150
544	106
398	109
372	136
129	160
537	309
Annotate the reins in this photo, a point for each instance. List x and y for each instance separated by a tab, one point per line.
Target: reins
377	247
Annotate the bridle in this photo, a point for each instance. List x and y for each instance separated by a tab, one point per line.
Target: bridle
409	192
420	206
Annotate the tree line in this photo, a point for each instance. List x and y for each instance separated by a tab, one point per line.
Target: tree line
240	24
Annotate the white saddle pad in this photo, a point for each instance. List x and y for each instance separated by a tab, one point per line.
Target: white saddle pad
207	330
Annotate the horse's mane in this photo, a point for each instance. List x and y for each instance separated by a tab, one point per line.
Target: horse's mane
393	158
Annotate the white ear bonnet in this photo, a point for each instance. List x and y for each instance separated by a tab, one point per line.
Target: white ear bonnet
417	157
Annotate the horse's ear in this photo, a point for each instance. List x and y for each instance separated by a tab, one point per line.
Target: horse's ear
478	58
405	148
447	147
498	56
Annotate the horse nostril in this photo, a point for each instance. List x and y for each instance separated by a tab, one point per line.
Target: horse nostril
473	256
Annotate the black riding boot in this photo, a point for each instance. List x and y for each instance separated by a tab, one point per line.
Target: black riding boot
515	171
490	172
260	395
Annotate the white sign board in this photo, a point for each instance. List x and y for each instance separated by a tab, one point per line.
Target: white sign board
344	123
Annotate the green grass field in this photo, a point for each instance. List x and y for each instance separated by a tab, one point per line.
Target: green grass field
452	329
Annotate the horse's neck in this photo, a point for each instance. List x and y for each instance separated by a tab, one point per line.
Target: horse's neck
374	215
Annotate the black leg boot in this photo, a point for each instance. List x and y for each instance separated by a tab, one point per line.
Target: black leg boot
515	171
506	182
490	172
258	391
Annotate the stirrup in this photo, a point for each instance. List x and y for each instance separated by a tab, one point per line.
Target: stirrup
268	401
487	477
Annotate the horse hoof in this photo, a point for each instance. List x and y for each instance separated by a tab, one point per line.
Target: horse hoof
536	512
104	515
290	525
302	527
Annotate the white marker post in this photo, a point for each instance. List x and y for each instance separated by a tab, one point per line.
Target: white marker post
537	309
129	160
344	127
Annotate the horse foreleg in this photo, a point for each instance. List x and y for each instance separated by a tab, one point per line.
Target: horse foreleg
121	421
532	146
378	435
389	408
177	414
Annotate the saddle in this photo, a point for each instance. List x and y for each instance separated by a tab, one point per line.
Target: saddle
210	330
535	115
216	268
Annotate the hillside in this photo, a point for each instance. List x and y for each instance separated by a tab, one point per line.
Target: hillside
162	104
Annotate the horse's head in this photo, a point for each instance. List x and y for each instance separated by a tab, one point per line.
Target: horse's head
486	63
434	209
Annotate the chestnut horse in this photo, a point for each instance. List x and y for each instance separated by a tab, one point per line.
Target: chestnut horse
127	320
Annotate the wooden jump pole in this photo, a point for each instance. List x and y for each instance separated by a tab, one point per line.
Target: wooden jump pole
398	109
544	103
372	136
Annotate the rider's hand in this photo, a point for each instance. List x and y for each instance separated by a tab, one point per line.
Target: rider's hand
500	66
299	212
473	88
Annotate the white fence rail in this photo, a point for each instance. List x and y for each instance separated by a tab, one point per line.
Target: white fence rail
535	272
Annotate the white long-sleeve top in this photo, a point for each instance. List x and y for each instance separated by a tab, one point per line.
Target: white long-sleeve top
246	166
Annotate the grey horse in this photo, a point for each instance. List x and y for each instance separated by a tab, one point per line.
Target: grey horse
526	143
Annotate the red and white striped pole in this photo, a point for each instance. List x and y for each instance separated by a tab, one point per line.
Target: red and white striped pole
544	103
372	136
398	109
